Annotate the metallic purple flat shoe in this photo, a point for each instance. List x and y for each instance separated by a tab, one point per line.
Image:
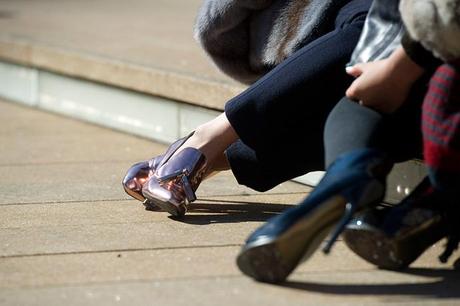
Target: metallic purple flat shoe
172	187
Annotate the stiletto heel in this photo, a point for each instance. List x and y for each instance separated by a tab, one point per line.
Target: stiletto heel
348	214
365	200
273	251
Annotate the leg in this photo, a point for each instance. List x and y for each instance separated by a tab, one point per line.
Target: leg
212	139
304	78
360	150
273	116
351	126
281	117
393	238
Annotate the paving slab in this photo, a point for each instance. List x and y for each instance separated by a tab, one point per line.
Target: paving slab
372	287
100	226
95	181
144	265
44	156
75	213
225	184
225	209
103	237
61	182
340	273
30	136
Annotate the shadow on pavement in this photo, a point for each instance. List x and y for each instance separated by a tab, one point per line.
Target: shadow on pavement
218	211
446	285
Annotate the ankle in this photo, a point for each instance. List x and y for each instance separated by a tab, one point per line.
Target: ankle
202	141
213	138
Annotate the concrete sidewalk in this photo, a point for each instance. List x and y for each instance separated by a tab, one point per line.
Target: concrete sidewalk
70	236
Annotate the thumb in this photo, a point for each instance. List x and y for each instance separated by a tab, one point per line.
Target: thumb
355	70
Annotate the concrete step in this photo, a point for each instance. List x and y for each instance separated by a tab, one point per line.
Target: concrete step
146	47
134	68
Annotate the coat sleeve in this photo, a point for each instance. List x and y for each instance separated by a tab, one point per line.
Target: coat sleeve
222	29
435	24
419	54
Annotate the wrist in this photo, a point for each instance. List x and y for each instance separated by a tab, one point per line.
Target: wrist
404	67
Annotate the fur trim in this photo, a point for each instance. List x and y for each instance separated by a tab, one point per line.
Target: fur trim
435	24
247	38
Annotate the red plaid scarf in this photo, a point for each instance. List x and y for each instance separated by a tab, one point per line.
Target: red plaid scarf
441	120
441	140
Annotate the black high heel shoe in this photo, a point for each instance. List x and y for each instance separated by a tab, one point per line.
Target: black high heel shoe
354	181
393	237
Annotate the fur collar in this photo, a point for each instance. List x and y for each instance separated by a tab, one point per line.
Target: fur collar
435	24
247	38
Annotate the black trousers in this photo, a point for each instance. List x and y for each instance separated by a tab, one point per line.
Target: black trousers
280	118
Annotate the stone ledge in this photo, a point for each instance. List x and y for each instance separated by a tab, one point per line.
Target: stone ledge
171	85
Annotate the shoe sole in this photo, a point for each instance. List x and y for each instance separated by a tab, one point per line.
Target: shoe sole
176	211
376	248
393	254
272	260
149	205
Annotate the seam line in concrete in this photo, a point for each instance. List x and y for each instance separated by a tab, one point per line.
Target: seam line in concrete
64	163
204	199
207	198
241	202
78	225
66	202
128	281
211	200
120	250
175	279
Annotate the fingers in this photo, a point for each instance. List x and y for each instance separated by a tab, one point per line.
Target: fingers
352	92
355	70
359	90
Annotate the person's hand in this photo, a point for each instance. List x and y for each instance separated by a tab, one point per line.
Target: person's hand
384	85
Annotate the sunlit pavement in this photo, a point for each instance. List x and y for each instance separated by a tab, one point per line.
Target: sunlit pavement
70	236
